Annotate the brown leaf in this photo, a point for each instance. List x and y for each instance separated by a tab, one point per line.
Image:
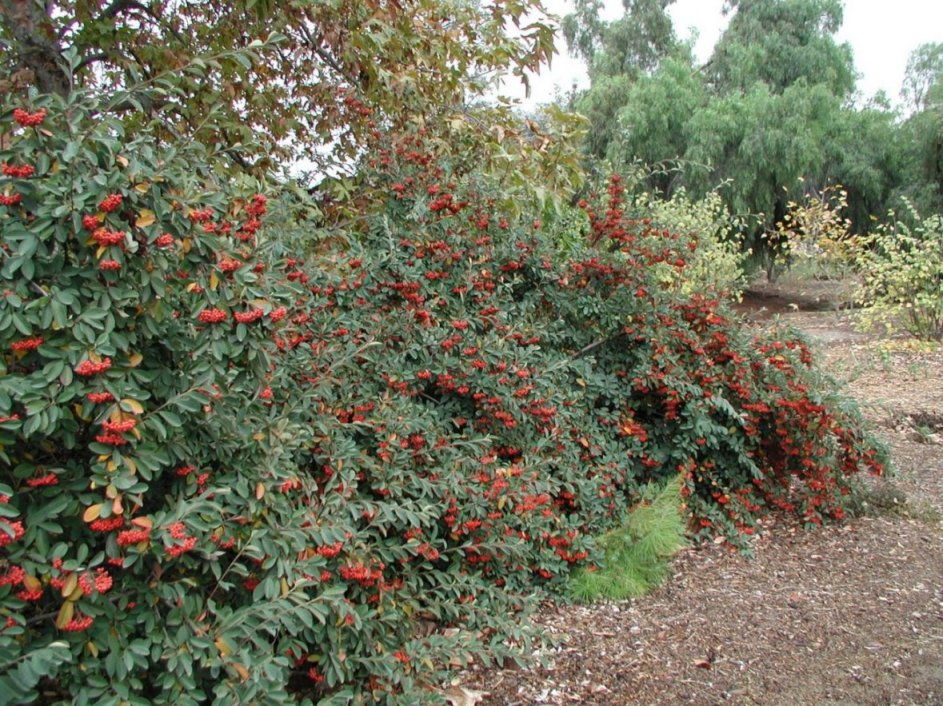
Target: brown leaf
702	663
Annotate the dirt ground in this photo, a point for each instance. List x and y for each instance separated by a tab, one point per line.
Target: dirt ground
844	616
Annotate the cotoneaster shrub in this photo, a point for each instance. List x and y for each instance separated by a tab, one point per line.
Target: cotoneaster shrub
280	463
141	463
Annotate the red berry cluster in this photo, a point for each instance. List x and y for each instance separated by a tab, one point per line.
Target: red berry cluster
248	317
100	397
107	238
27	119
212	315
88	368
110	203
23	171
27	344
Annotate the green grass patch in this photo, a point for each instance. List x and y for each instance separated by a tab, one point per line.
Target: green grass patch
636	554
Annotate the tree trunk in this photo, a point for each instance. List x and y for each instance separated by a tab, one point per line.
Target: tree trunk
35	45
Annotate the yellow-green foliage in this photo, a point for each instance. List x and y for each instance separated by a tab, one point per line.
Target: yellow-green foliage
717	262
902	276
816	232
636	554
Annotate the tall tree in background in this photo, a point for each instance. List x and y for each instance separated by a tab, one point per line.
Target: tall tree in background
780	70
923	91
653	125
924	76
779	42
618	54
866	152
768	143
770	116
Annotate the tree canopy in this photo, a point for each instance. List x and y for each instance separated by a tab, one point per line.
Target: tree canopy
302	78
780	42
772	115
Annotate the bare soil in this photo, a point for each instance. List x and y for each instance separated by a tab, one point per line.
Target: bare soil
849	615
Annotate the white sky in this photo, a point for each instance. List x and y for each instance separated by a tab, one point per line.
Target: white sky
882	33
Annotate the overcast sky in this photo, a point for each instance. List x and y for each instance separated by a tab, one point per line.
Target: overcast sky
882	33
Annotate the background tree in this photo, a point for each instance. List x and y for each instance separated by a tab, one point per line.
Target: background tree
924	73
779	42
923	92
617	53
771	141
867	154
770	115
653	125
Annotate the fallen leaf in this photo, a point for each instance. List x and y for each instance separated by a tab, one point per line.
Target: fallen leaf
460	696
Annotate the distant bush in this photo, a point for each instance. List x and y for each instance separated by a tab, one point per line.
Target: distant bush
817	235
901	267
234	472
716	261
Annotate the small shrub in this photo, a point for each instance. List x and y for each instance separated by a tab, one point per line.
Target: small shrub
715	261
876	499
635	555
901	267
817	236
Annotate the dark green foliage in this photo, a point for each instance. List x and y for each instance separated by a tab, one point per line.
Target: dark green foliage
780	43
247	462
